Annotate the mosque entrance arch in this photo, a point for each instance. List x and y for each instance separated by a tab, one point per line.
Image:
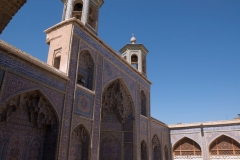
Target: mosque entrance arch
28	127
116	122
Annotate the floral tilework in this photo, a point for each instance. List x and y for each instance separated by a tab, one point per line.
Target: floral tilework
77	120
109	55
189	130
111	73
69	101
159	128
97	113
25	68
84	46
234	127
14	85
213	135
194	136
144	126
83	104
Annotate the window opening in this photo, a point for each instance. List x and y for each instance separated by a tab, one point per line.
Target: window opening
80	80
134	61
187	147
225	146
77	10
57	62
85	70
78	7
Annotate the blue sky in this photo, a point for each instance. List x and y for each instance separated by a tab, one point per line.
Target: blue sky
194	51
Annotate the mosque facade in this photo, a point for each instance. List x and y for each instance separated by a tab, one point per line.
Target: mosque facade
90	103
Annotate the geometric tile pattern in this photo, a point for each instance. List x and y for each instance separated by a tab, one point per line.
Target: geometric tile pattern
109	55
83	103
65	133
111	73
144	126
14	85
30	71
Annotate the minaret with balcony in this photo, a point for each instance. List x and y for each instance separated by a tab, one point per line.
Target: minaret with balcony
135	54
86	11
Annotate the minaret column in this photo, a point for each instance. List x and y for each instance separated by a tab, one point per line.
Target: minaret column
85	13
69	9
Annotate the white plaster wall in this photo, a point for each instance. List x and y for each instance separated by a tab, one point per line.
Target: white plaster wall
224	157
187	158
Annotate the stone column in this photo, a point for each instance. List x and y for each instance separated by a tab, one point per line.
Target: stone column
85	12
69	5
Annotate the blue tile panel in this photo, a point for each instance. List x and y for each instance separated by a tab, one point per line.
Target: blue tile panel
144	126
109	55
28	69
84	103
14	85
1	77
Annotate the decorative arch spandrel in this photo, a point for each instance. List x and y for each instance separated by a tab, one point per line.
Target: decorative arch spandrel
112	73
194	136
30	121
187	147
224	146
80	143
109	93
210	137
15	85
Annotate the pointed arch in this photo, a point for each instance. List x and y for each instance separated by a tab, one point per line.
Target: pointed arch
186	146
117	99
29	91
35	147
134	61
156	145
143	150
80	143
77	9
116	117
110	148
126	82
143	104
224	145
86	68
33	111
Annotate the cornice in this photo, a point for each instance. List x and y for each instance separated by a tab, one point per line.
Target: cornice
23	55
77	22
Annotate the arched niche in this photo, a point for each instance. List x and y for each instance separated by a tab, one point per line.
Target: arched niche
134	61
80	143
186	147
143	150
110	148
143	104
224	145
31	124
156	146
77	9
86	67
117	117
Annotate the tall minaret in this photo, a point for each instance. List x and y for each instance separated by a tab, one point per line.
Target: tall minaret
135	54
86	11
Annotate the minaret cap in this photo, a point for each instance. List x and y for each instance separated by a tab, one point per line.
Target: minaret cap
133	39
